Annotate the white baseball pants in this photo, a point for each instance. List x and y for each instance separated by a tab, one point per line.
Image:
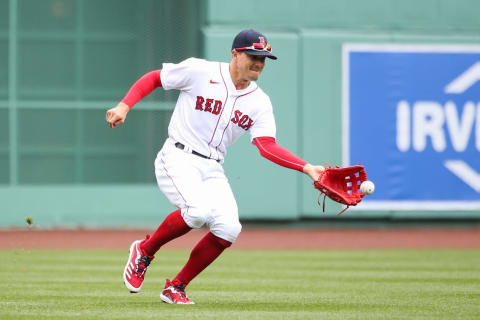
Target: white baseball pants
199	187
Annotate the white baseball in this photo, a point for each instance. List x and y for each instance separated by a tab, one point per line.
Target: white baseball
367	187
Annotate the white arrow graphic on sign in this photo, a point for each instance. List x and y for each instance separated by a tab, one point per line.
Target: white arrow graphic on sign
459	85
466	173
464	81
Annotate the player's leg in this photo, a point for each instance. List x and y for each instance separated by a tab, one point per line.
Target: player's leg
205	252
180	181
171	228
224	229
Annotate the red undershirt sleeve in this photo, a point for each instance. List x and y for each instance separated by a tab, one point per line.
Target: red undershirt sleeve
272	151
142	88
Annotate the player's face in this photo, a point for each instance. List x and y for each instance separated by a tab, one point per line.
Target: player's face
250	67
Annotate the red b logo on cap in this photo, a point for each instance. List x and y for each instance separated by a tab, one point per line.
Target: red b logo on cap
262	41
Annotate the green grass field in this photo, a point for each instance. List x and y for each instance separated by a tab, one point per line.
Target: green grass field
369	284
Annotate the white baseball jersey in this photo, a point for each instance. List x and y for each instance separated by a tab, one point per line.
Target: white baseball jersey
211	114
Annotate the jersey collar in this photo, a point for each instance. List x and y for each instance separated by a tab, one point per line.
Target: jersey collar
229	82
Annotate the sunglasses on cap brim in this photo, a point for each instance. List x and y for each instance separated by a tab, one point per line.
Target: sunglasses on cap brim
257	47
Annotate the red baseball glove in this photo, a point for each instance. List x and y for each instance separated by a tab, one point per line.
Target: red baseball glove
341	185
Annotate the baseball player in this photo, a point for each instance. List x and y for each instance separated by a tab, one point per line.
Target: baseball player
218	103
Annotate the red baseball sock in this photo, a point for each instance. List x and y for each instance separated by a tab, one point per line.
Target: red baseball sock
204	253
172	227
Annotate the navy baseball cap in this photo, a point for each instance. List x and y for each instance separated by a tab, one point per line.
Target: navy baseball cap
253	43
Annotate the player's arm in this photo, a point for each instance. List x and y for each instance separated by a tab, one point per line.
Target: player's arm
140	89
268	148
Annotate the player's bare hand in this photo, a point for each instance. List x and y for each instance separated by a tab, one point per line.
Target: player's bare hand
313	171
117	115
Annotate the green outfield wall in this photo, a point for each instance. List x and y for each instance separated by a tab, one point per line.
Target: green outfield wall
64	62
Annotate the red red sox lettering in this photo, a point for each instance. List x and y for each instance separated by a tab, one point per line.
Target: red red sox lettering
208	105
243	121
215	106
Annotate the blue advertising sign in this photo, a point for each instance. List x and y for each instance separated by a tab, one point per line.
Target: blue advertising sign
411	115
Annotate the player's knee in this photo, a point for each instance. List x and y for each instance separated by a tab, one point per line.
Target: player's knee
195	217
234	230
227	231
